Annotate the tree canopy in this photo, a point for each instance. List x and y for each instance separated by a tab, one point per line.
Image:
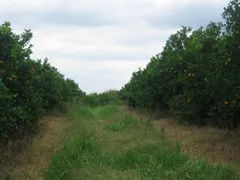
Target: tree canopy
196	75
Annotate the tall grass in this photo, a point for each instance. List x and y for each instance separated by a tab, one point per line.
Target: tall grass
77	153
107	110
87	156
80	112
127	121
85	152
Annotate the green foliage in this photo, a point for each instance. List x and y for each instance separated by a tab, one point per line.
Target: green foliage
196	75
108	110
128	121
28	88
115	127
102	99
83	112
231	15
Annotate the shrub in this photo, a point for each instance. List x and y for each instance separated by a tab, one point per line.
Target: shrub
102	99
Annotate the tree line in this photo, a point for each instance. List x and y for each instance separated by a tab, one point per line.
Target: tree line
196	76
28	88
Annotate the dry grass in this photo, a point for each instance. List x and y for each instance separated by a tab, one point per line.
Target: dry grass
215	145
30	163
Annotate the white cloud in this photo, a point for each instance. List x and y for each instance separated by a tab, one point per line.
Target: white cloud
99	75
100	43
86	52
132	40
26	5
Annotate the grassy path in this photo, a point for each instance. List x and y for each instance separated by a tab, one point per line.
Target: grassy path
109	143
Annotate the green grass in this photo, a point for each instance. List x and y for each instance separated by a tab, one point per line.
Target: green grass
80	111
126	122
107	110
99	150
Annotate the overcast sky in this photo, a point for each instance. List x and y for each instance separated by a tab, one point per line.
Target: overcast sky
99	43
